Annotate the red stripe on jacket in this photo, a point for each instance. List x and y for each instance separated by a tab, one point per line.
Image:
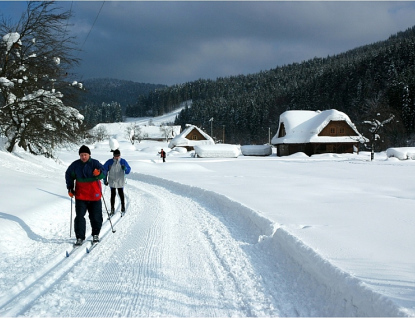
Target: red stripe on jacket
88	191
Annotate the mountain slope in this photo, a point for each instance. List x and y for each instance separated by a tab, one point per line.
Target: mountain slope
107	90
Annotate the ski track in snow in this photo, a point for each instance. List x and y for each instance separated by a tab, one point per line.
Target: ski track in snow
183	251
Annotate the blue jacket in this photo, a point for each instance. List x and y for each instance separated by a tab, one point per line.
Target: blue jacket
117	169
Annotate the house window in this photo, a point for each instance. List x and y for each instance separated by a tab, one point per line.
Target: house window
341	131
332	131
194	137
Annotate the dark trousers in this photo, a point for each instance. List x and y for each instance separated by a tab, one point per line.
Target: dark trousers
120	193
94	209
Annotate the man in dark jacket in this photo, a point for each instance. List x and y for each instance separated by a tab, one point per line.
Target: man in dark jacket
83	181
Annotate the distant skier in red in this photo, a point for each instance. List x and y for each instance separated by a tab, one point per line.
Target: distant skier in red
162	154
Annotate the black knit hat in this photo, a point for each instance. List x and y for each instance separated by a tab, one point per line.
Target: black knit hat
84	149
117	153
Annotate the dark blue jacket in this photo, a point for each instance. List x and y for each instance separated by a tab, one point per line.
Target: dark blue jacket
88	187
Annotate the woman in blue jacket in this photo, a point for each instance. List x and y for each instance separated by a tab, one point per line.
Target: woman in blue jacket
117	168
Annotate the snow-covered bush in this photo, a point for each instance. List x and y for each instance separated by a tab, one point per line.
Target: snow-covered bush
217	151
256	150
402	153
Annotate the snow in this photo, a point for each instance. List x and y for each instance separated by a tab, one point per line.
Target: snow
114	144
10	39
217	151
326	235
5	82
256	150
401	153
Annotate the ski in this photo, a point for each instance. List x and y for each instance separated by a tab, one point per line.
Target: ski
74	248
93	244
110	215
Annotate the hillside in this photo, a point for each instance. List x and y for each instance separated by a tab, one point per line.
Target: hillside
362	82
107	90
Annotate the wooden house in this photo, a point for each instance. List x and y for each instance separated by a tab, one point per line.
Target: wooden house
191	136
316	132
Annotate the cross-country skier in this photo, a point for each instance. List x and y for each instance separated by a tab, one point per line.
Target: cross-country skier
162	154
117	168
83	181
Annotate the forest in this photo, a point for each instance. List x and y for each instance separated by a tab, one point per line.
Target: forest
104	100
371	82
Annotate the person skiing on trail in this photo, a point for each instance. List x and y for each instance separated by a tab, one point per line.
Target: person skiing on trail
83	182
117	168
162	154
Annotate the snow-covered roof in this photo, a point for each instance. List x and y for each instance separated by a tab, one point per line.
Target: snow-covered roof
304	126
182	141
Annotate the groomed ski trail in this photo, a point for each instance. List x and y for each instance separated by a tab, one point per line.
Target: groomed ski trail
21	297
181	251
170	256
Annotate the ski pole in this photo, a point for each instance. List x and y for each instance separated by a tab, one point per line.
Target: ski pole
109	218
70	227
125	193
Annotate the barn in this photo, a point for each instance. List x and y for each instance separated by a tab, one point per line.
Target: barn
316	132
191	136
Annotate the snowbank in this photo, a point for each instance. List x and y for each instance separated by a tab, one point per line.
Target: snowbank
180	150
402	153
343	294
339	293
256	150
218	151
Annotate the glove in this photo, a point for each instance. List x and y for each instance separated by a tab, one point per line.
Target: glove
106	182
71	192
96	173
122	167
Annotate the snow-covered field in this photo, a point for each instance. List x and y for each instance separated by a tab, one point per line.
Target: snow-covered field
330	235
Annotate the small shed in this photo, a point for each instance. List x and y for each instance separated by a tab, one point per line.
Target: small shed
316	132
191	136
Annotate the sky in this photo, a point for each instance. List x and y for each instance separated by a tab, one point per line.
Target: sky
173	42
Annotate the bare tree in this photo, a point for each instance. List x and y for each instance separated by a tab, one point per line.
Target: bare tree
167	131
134	132
100	133
375	114
36	54
374	129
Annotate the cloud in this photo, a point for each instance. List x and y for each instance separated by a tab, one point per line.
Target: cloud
170	42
